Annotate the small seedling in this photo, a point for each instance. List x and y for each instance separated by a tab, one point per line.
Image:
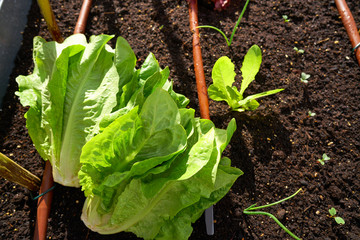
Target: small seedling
223	76
338	220
301	51
250	211
228	42
286	18
323	159
311	114
304	77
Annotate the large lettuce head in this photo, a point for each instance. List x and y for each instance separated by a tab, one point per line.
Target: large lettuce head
154	171
77	88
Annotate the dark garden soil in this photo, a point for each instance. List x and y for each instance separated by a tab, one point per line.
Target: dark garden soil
277	146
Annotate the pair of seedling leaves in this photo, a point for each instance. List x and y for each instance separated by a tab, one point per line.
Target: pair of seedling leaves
338	220
223	76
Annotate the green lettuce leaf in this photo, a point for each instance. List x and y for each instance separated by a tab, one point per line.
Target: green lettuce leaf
250	67
223	76
133	144
73	86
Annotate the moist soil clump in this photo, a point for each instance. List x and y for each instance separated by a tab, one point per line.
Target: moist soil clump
277	146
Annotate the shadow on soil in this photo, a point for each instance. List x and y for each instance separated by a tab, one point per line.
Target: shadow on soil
174	45
261	138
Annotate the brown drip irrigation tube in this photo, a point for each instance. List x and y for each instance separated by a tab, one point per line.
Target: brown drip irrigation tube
44	202
198	62
201	90
83	16
350	26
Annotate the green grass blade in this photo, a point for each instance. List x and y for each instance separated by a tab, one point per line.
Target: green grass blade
272	204
275	219
215	28
238	22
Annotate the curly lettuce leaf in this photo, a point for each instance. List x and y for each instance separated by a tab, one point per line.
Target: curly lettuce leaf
223	76
133	144
144	81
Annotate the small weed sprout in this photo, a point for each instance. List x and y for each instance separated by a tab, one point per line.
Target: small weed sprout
311	114
304	77
252	211
338	220
323	159
286	18
301	51
229	41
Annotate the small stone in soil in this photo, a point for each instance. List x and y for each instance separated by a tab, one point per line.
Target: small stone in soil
303	182
237	212
281	213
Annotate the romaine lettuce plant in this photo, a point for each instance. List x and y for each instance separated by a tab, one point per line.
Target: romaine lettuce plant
223	76
77	88
154	170
145	163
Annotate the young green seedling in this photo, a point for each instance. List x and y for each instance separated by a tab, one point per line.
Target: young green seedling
338	220
286	18
223	76
301	51
250	211
304	77
228	42
324	159
311	114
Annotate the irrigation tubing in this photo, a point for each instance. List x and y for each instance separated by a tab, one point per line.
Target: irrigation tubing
83	16
350	26
44	202
198	62
201	90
